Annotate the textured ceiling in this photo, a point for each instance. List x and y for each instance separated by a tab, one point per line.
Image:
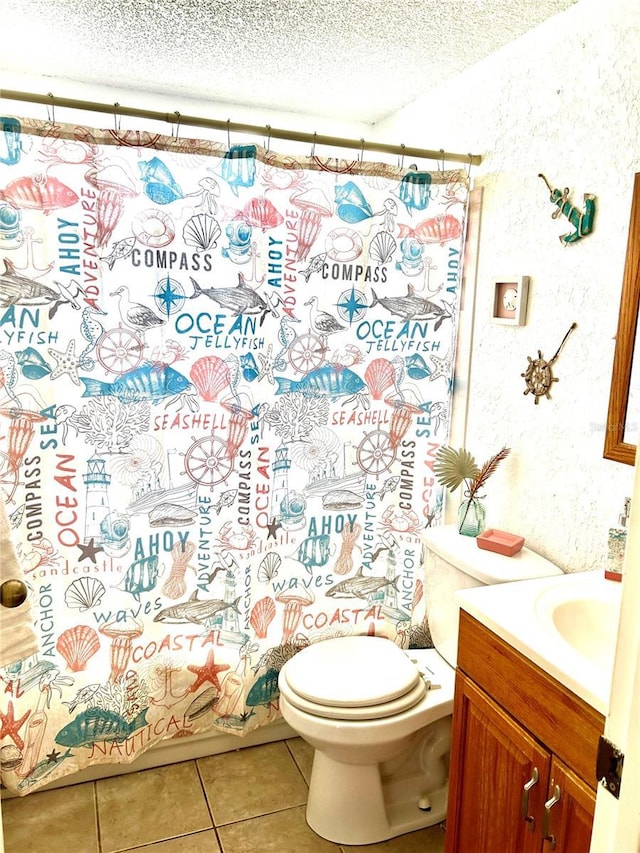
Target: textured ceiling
359	60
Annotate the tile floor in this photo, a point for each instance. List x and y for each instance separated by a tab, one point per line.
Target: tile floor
248	801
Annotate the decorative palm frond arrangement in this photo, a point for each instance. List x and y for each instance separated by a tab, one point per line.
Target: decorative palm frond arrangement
452	467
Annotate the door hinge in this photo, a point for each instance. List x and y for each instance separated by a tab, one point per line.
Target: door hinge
609	763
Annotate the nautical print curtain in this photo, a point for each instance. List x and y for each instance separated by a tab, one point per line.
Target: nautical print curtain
224	376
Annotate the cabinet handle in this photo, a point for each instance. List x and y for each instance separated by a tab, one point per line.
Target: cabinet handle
546	819
524	800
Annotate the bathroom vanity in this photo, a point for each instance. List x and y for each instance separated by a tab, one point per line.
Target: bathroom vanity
522	776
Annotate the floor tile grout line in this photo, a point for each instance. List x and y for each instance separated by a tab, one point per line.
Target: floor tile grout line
209	808
295	761
94	786
263	814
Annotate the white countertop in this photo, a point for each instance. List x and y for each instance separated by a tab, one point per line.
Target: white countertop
521	613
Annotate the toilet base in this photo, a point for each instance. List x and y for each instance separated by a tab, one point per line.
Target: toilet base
352	804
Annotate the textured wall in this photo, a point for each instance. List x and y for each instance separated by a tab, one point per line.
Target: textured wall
562	100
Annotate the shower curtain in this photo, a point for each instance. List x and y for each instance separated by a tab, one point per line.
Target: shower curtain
224	376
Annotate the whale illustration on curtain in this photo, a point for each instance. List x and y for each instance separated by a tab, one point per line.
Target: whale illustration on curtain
224	377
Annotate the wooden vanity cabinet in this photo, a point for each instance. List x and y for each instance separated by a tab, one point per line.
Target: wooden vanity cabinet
523	757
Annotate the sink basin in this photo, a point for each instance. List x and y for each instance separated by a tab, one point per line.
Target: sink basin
585	614
567	624
589	626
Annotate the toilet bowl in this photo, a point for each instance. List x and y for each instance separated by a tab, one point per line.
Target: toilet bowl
379	720
379	717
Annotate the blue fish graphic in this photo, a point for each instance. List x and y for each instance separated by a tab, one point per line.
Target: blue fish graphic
239	166
326	380
151	382
415	190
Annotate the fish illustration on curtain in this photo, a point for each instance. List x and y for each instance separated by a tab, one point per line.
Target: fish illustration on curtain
224	378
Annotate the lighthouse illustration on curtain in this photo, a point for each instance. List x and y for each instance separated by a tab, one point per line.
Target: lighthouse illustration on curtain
97	498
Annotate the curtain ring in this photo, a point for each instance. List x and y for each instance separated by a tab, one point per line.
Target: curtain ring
176	133
51	115
401	160
361	155
229	134
116	118
268	126
313	146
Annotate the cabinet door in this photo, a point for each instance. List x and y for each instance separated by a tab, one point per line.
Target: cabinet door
492	760
569	812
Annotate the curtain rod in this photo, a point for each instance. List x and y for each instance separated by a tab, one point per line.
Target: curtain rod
238	127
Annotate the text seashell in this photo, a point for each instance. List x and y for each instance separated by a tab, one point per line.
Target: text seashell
201	231
84	593
77	646
263	613
382	247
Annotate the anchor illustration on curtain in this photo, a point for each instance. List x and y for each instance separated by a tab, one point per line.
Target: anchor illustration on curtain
224	378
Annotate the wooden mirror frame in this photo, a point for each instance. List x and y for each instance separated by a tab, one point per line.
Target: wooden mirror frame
614	445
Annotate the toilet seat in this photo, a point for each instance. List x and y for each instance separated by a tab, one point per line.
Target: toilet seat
352	678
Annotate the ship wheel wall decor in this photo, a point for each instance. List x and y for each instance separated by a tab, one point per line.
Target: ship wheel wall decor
538	376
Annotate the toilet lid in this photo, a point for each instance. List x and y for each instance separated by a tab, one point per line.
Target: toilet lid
352	672
356	713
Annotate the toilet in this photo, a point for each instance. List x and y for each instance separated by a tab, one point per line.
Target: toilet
379	717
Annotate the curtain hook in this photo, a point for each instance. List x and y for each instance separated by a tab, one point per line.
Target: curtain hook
51	116
441	167
401	160
229	134
469	166
116	117
313	146
268	126
175	134
361	155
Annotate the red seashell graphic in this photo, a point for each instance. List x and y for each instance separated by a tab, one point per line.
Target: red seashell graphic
77	646
41	192
379	376
261	213
210	375
263	613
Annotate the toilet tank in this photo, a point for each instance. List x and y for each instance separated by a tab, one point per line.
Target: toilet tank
453	562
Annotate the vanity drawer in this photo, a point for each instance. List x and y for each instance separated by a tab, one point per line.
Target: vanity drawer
566	724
